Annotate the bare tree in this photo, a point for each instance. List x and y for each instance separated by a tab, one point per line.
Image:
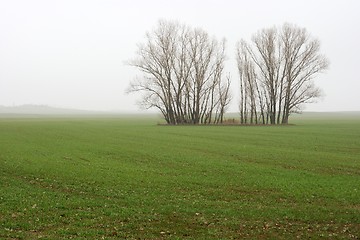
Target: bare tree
183	74
251	99
302	62
282	62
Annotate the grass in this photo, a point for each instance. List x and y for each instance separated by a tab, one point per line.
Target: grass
127	178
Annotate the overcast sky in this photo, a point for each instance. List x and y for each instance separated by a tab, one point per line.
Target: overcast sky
72	53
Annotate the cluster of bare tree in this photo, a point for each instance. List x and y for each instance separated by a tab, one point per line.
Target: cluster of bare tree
183	74
276	73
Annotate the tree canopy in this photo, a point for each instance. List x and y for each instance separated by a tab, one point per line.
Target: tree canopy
183	74
276	73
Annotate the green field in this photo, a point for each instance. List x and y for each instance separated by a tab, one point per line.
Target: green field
128	178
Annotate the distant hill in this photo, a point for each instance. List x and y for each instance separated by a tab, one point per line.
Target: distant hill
42	110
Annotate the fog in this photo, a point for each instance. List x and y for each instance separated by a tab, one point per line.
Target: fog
73	53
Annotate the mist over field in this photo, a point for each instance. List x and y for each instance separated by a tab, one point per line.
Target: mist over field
74	54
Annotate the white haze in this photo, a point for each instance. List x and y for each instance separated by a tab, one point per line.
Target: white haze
72	53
